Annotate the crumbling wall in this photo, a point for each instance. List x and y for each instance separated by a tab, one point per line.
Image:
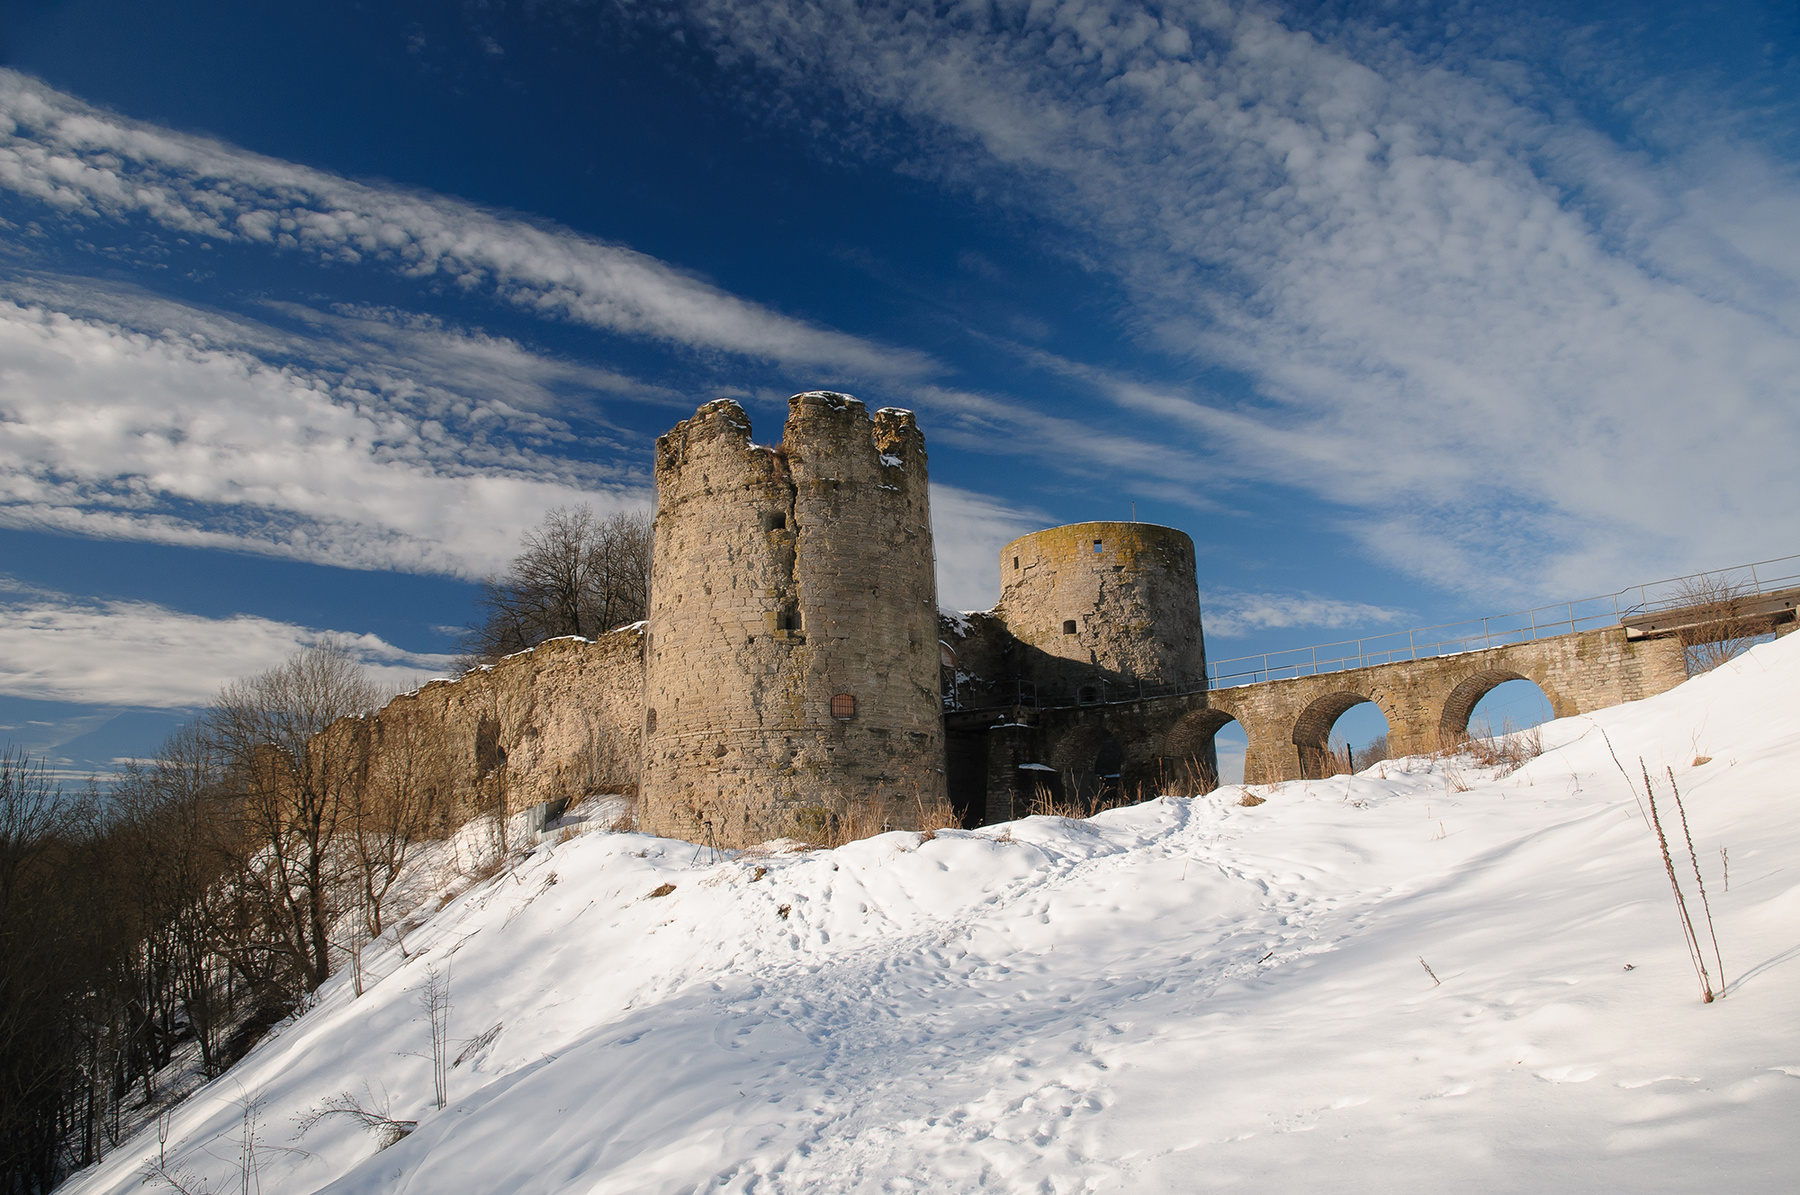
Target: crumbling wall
560	720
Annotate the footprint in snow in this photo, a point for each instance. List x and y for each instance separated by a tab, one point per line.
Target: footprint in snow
1566	1074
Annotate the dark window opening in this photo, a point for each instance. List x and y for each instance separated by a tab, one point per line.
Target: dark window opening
1109	764
1068	626
774	521
843	707
650	722
789	620
1087	695
1015	562
489	754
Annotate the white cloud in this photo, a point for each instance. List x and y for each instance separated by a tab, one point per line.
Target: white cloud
374	438
969	529
91	163
1533	359
57	648
1231	613
111	432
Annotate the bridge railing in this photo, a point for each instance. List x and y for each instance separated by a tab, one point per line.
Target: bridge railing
1745	580
1499	630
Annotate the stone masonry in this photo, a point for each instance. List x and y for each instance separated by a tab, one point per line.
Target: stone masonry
792	660
1427	702
553	723
1115	602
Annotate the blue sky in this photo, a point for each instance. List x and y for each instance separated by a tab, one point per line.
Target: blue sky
1405	312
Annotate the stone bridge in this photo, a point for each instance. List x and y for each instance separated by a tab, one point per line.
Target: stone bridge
998	757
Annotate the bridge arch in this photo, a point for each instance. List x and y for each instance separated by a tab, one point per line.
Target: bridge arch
1460	705
1312	729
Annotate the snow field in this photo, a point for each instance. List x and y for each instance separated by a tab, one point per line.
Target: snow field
1184	995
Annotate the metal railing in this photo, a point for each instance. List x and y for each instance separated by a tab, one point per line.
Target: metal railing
1498	630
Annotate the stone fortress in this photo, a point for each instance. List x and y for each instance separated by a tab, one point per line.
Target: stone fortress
794	661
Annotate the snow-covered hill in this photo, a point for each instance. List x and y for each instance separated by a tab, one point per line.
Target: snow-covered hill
1180	996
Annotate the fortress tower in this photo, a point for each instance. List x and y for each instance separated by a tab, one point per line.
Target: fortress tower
1103	602
791	663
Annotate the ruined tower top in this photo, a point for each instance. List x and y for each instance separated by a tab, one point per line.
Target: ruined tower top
1103	602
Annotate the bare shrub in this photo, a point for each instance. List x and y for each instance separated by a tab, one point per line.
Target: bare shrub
434	1000
1717	626
367	1112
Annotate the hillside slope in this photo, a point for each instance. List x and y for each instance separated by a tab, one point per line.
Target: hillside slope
1185	995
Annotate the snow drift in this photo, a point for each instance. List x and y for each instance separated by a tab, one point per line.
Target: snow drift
1184	995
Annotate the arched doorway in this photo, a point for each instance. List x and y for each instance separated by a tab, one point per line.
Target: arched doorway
1338	733
1105	783
1203	750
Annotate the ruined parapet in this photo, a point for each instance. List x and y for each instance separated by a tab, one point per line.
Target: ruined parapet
559	721
1095	604
793	660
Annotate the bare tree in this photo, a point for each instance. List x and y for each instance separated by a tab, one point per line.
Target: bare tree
396	809
434	998
1718	626
293	790
577	574
172	868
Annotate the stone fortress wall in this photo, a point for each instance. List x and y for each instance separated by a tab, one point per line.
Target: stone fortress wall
553	723
794	661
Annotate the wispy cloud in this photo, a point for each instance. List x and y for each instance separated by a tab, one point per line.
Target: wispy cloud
93	164
1232	613
374	437
55	647
173	436
969	529
1528	356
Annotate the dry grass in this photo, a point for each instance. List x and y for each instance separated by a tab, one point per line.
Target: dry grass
934	815
1505	752
1047	801
819	826
1189	777
626	820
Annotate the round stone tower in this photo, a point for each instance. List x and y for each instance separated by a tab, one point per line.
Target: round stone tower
791	665
1103	602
